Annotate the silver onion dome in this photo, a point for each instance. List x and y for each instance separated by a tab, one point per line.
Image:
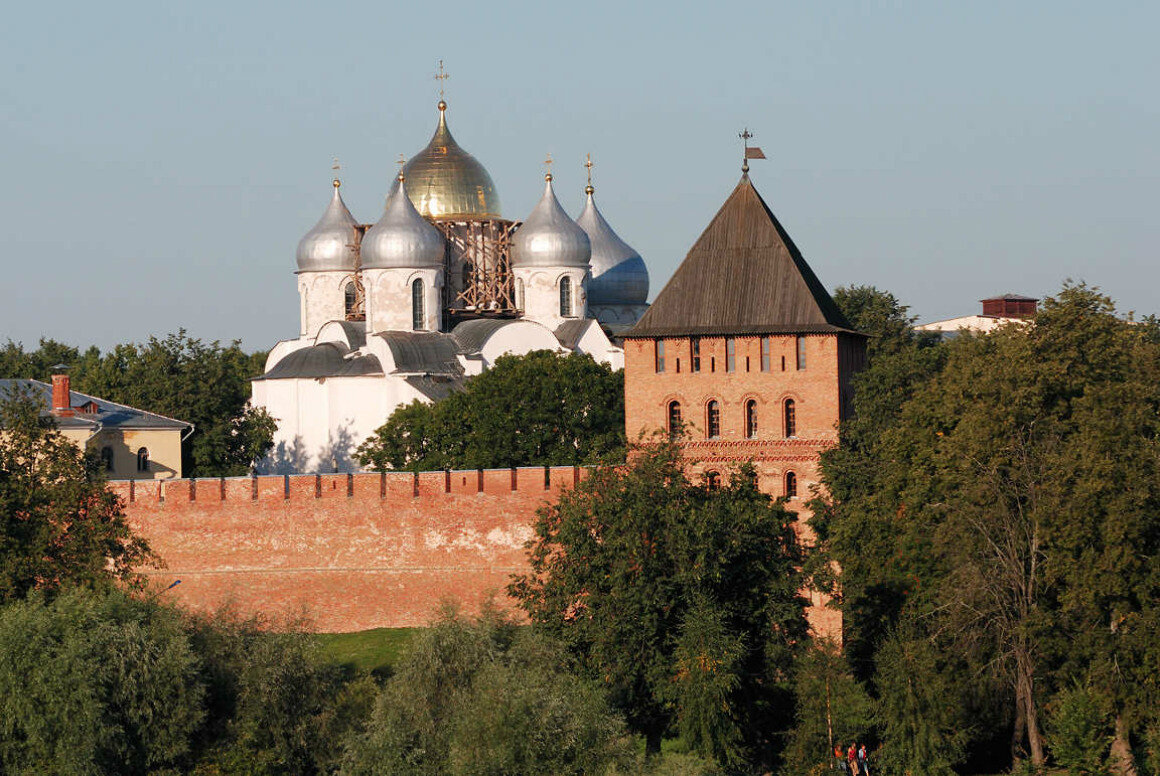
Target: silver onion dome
333	242
549	238
447	182
402	237
619	275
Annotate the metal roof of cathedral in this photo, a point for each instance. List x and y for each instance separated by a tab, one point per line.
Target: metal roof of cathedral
332	243
619	275
402	237
549	237
444	181
744	275
328	359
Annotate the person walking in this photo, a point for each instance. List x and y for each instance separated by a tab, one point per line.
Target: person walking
863	761
843	766
852	758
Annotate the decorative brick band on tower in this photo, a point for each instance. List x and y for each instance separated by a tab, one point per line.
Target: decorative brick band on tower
746	356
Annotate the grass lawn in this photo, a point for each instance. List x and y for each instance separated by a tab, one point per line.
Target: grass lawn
377	651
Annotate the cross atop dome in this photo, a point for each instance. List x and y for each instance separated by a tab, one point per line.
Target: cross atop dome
441	76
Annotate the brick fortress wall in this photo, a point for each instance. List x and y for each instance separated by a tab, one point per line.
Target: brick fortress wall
353	551
350	552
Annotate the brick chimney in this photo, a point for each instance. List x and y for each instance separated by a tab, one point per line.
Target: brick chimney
1010	306
61	396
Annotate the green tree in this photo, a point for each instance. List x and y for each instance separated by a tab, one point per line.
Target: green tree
95	684
921	723
832	709
1011	500
206	384
859	518
274	705
19	364
534	410
648	579
486	697
1080	732
59	526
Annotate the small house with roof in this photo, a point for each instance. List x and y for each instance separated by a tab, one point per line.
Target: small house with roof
133	444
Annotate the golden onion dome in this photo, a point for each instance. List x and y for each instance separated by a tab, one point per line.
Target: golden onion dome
446	182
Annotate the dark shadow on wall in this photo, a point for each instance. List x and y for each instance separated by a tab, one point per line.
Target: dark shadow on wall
294	458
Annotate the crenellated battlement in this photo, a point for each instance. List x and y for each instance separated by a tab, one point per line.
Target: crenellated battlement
363	486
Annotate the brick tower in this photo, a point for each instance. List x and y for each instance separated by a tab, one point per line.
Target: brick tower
745	351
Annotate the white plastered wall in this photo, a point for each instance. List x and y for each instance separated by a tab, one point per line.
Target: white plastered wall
321	422
389	298
541	293
322	298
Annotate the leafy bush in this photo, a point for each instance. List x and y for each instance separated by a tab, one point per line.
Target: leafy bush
1079	733
486	697
96	684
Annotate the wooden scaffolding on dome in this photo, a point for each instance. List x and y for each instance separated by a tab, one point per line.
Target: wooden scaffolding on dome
479	282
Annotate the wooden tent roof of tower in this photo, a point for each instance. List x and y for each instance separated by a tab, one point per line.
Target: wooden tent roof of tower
744	275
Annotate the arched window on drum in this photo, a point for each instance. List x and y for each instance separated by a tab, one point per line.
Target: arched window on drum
565	297
418	313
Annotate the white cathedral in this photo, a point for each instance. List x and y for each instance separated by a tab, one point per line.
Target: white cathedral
434	292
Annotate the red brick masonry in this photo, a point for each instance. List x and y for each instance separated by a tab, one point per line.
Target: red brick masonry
349	552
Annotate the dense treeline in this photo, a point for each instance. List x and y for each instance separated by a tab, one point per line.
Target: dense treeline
995	512
534	410
206	384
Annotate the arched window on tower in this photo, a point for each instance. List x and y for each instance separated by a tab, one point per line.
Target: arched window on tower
143	459
418	314
712	419
790	419
350	301
790	485
751	419
565	297
675	423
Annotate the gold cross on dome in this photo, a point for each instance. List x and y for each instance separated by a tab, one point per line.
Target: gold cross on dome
588	163
548	166
441	76
402	160
335	165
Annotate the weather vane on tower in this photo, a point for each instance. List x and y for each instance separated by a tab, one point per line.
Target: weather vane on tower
750	153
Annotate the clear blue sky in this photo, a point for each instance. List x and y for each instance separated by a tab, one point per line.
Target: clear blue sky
161	160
